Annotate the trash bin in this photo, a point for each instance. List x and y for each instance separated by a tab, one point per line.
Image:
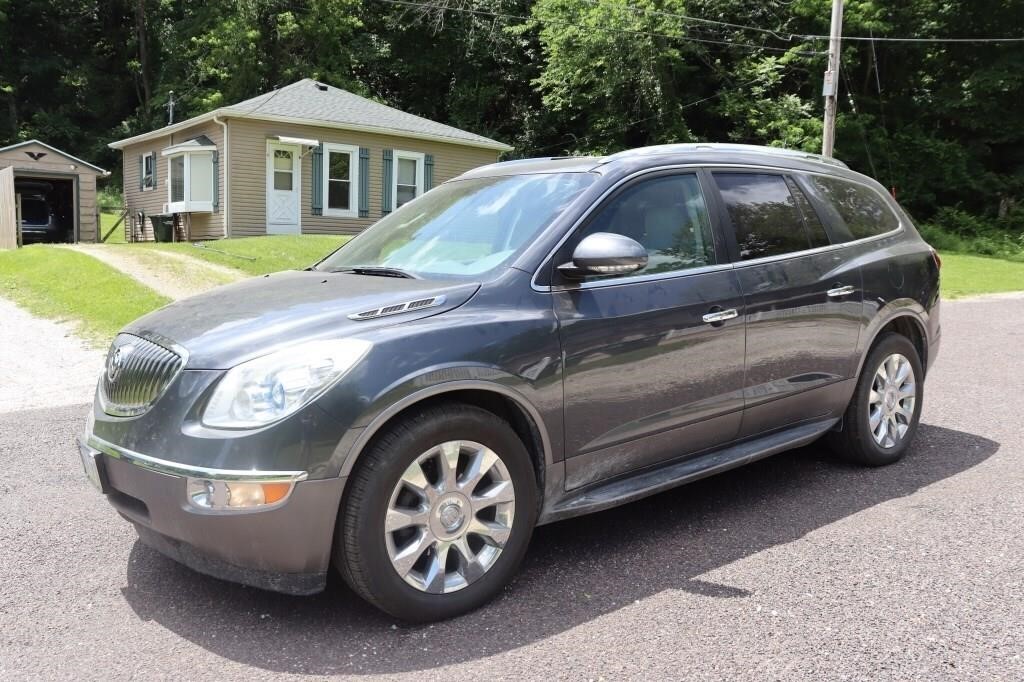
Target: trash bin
163	227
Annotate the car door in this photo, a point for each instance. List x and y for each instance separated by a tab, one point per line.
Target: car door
802	300
653	360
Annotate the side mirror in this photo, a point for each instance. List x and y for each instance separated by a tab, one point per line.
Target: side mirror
604	253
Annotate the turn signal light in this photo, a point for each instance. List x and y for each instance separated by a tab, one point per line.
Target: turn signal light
217	495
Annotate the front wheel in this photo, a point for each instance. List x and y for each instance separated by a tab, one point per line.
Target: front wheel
883	414
438	515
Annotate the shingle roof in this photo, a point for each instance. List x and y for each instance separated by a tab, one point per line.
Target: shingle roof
321	104
315	101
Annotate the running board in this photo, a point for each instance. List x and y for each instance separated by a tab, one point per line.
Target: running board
655	480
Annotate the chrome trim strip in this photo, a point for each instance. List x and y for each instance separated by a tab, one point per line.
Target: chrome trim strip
710	167
162	466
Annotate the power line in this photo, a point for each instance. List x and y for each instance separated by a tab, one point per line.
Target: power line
684	17
608	29
589	138
917	40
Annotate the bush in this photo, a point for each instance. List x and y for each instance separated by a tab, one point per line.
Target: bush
109	199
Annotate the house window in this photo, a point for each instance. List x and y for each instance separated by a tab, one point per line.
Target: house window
408	177
341	178
148	166
190	185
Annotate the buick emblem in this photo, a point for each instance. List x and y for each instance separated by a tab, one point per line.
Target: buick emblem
116	360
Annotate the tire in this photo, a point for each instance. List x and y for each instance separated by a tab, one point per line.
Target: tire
380	488
858	441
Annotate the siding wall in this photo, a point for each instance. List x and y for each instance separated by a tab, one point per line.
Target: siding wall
51	165
248	174
87	208
204	225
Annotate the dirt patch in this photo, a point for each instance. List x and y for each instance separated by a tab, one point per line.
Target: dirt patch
173	275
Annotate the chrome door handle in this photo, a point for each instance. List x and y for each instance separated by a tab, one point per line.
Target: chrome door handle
720	316
840	291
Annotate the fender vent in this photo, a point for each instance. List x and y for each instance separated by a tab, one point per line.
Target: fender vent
398	308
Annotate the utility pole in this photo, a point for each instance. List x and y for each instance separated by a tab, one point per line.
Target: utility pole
170	108
831	84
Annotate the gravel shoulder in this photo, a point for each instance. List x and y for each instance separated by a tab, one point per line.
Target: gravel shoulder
171	274
44	363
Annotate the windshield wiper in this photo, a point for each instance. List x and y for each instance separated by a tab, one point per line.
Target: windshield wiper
377	271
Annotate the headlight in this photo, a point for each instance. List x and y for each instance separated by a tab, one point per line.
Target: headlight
274	386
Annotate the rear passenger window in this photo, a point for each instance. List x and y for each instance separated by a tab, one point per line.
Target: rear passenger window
668	216
815	230
861	208
763	213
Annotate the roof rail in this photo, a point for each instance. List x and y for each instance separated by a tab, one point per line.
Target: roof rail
726	147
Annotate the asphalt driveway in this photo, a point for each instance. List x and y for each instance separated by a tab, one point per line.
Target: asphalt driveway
793	568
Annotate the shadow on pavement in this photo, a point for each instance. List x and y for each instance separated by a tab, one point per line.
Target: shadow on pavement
575	570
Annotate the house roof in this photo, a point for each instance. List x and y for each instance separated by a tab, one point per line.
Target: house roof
55	151
310	102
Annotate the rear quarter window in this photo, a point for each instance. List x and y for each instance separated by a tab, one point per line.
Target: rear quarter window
863	211
764	214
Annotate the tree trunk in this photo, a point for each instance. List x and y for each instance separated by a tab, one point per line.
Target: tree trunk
140	32
12	112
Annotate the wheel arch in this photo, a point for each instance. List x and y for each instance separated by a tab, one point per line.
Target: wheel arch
501	400
905	322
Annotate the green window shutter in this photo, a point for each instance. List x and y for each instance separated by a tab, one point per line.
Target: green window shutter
317	207
428	172
387	202
142	170
364	182
155	157
216	181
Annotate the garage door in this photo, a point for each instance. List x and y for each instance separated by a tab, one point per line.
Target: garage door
8	211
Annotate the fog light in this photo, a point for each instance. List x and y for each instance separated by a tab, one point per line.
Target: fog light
238	495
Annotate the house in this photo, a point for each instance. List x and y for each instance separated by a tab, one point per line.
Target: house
307	158
52	187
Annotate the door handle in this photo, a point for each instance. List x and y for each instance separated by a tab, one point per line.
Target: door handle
720	316
838	292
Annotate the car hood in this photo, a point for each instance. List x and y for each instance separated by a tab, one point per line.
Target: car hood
235	323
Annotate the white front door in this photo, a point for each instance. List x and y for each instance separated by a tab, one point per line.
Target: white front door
283	164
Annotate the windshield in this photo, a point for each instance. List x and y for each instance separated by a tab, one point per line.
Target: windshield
462	228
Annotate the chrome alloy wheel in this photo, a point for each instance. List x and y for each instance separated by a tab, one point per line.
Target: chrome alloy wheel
891	400
449	516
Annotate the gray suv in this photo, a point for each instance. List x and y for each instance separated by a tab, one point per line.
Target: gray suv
532	341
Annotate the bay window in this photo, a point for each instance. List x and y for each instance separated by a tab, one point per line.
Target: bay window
190	177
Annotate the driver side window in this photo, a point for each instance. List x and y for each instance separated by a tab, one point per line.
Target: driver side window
667	215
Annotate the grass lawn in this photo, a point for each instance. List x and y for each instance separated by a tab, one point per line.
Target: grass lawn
964	275
107	221
259	255
60	284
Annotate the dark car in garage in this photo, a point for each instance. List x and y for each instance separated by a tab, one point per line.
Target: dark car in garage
39	220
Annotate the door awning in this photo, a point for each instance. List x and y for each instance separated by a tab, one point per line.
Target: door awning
302	141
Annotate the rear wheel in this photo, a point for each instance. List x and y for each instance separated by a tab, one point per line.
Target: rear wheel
883	414
438	514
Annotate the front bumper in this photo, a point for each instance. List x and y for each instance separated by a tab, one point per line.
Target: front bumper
285	548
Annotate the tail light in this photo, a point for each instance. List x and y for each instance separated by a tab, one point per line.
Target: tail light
935	257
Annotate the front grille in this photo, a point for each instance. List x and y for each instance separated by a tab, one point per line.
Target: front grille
137	372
